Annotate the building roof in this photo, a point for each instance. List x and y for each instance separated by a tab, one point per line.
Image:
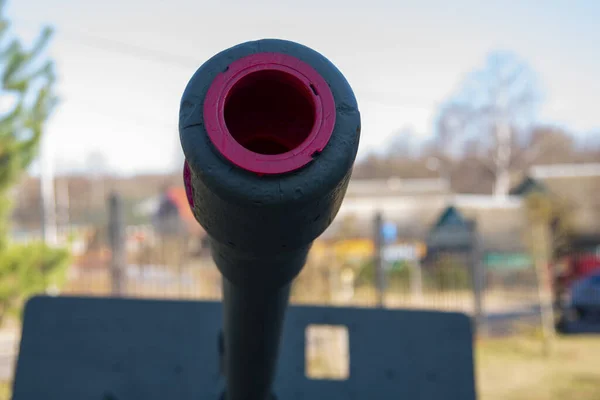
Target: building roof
396	187
565	170
528	185
178	197
451	230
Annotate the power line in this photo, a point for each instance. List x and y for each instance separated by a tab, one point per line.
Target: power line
181	61
133	50
117	46
188	62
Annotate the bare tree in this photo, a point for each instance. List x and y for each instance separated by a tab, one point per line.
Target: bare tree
492	105
547	145
404	144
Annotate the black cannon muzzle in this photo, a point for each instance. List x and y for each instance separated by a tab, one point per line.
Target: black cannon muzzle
270	131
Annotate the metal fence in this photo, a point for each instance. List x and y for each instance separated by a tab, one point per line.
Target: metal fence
342	272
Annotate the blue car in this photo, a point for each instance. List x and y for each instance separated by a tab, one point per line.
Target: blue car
585	296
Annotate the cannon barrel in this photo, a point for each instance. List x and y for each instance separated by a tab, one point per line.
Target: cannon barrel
270	131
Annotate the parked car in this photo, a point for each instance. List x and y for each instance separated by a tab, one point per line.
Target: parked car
585	296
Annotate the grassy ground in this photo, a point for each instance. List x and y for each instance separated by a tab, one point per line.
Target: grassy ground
516	369
4	393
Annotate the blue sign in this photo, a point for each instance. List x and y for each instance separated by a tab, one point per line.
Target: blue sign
389	232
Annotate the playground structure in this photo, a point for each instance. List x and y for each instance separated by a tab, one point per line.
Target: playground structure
270	131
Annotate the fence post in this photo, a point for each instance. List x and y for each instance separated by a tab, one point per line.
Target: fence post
541	264
478	278
378	260
116	235
416	281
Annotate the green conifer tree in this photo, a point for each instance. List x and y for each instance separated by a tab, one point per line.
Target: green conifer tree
27	83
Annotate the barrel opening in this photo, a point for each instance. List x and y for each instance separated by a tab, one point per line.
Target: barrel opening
270	112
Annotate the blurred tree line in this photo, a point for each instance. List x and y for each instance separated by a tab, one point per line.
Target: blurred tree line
484	134
467	172
27	81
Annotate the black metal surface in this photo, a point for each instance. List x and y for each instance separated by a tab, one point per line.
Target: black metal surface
251	359
261	227
250	216
118	349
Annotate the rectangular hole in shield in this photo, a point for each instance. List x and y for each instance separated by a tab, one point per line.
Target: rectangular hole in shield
327	352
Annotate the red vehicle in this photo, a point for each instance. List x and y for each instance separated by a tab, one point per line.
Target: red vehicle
575	268
582	265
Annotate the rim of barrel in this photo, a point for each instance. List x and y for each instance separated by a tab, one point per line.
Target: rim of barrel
290	90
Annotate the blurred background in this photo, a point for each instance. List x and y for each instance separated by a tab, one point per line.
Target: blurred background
477	185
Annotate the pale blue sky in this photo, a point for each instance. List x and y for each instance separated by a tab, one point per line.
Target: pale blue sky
401	58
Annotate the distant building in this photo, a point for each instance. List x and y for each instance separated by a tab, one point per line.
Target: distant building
415	205
396	187
172	216
578	186
173	222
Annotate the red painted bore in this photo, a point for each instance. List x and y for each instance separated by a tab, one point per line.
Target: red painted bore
269	113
